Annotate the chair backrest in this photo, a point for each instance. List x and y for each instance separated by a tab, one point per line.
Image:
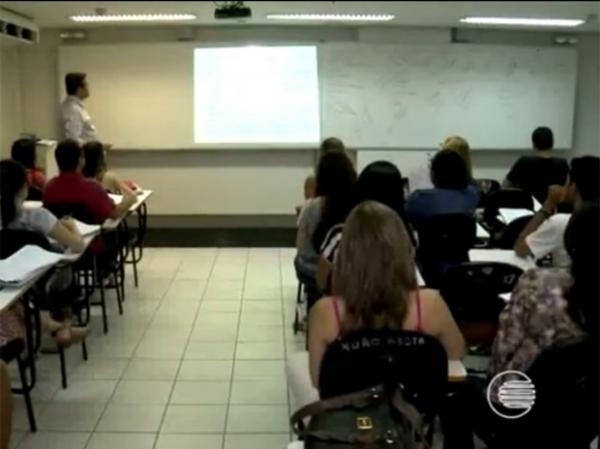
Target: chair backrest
34	194
372	357
12	240
509	199
507	237
472	289
444	240
78	211
566	407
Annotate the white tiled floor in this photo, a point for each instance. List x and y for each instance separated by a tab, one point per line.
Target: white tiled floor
196	361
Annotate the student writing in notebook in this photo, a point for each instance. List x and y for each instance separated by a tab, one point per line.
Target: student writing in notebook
13	191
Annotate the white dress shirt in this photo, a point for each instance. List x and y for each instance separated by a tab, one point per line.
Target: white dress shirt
76	121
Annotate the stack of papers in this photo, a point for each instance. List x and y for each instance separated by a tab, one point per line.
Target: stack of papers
27	263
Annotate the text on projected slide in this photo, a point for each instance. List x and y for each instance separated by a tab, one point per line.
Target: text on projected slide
256	95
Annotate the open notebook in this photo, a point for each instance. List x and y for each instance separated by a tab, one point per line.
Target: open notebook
26	264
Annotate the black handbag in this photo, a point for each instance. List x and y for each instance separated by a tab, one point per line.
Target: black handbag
368	419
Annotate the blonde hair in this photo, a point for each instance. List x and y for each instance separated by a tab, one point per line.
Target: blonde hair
461	146
374	270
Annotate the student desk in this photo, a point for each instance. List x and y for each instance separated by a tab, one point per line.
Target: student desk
501	255
136	242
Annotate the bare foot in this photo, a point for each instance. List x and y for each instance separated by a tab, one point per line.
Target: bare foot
50	325
63	337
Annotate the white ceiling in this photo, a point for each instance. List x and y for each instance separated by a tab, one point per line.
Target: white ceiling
431	14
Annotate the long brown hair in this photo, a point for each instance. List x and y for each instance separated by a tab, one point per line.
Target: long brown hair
374	270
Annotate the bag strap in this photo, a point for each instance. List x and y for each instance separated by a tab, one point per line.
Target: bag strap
319	407
411	413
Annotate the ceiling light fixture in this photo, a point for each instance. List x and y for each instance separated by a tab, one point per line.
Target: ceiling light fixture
522	21
99	18
334	17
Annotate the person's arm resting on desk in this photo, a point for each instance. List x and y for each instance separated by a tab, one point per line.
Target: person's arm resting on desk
65	232
533	233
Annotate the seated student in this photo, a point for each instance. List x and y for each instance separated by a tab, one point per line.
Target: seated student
452	193
23	151
95	168
544	234
70	187
420	178
13	191
459	145
549	305
534	174
375	287
336	180
329	145
379	181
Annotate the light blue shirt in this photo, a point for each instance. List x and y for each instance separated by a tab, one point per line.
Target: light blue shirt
421	205
76	121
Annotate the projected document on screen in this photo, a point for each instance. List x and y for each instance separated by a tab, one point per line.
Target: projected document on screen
256	95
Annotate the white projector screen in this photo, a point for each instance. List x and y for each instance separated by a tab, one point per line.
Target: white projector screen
256	95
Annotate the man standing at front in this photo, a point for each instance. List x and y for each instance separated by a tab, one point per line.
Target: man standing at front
76	121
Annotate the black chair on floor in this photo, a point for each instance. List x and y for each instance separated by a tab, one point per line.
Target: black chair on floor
472	291
369	358
565	413
444	241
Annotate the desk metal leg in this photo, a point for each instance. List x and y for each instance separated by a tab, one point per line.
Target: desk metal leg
137	244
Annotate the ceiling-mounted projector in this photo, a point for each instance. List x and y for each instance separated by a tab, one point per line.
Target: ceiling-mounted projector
232	10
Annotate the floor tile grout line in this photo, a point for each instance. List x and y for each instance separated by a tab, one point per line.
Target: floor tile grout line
129	363
182	358
285	345
235	346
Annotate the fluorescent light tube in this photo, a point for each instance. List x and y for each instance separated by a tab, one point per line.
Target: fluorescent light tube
334	17
99	18
522	21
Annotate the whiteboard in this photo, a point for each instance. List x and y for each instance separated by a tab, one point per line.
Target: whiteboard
373	96
413	96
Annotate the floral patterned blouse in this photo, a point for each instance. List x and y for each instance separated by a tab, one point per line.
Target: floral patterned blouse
534	319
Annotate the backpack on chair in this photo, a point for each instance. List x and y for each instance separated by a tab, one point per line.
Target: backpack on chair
369	419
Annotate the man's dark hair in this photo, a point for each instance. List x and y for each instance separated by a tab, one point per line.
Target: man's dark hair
585	174
67	154
23	151
74	81
449	171
542	138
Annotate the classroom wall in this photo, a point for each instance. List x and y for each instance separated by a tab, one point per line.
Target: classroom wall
11	123
261	187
